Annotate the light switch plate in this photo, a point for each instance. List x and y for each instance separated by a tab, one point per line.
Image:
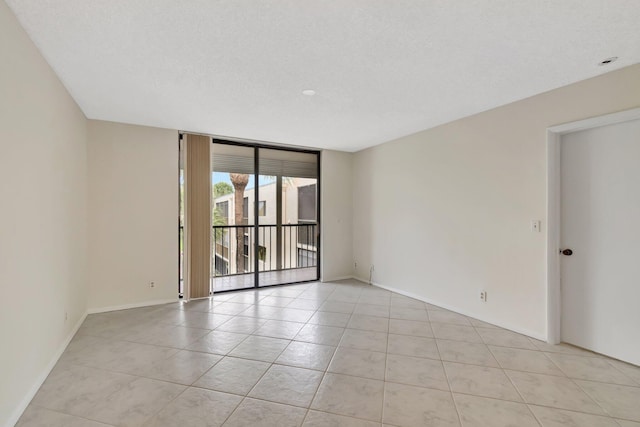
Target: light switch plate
536	225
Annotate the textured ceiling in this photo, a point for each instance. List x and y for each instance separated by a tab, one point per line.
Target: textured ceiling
381	68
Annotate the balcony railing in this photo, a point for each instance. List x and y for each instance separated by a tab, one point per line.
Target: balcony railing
295	261
280	247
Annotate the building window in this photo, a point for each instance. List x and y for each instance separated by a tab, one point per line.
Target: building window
306	233
245	249
262	208
307	215
306	258
223	210
307	203
245	208
262	253
221	237
222	266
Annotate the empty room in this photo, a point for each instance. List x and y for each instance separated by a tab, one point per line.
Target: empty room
338	213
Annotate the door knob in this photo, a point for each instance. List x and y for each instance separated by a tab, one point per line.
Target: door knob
567	252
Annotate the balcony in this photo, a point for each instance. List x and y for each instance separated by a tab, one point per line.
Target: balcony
285	253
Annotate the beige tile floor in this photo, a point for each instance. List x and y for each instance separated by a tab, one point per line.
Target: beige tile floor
330	354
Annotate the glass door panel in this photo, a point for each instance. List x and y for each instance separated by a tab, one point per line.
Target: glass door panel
287	216
233	186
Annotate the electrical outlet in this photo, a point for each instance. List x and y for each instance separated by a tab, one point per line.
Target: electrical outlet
152	284
483	296
355	265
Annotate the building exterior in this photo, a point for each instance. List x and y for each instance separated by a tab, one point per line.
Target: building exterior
287	244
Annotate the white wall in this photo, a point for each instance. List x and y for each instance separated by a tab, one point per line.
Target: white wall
43	172
337	215
133	215
446	212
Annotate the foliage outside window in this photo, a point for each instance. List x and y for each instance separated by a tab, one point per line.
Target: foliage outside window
222	189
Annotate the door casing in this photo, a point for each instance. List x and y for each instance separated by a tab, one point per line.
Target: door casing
554	198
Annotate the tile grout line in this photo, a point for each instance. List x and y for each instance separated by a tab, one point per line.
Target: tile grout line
446	375
594	400
57	411
344	328
623	373
605	416
386	357
324	373
180	349
261	377
524	401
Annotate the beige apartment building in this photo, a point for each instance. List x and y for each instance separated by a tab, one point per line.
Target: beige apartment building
297	245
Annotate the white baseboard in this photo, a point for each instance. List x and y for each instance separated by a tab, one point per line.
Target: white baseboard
335	279
199	298
365	280
457	310
128	306
22	406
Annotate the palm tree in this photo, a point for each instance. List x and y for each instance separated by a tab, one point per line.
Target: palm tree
239	181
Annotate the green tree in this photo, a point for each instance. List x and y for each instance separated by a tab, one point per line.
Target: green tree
222	189
219	220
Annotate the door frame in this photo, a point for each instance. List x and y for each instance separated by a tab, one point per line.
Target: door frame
256	146
554	203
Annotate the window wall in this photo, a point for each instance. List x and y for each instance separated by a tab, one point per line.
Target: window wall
265	228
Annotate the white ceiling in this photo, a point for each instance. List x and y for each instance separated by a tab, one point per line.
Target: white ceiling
381	68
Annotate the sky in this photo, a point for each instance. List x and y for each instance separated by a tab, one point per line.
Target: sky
224	177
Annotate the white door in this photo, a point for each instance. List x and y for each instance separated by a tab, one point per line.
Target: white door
601	225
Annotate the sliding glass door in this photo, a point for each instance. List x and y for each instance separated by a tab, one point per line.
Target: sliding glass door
287	216
233	180
265	216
